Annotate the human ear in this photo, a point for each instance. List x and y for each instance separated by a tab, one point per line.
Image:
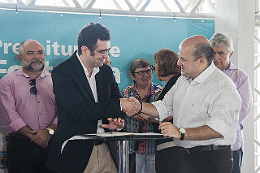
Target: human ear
230	55
202	60
84	49
132	76
19	57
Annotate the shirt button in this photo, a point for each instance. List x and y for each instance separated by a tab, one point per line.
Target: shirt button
40	113
38	101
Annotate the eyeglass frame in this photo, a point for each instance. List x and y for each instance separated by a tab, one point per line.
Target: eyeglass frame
148	72
103	52
152	66
33	90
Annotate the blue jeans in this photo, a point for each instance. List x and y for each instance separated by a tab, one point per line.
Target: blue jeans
145	163
237	161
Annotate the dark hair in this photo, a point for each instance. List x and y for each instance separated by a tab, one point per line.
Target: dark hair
138	63
89	35
203	50
166	60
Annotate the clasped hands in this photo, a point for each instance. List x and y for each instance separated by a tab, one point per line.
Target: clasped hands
130	106
40	137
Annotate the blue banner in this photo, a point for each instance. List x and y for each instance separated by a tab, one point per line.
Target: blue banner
131	37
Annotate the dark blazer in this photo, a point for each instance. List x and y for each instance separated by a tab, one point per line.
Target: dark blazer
78	113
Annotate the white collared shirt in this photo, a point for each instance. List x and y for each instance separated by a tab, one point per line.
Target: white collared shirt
93	86
210	99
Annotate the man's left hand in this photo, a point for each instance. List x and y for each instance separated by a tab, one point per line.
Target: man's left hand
169	130
41	137
114	123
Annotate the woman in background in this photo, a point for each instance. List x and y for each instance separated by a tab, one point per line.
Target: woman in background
143	90
166	69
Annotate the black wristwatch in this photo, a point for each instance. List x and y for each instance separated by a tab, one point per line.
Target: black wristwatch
182	132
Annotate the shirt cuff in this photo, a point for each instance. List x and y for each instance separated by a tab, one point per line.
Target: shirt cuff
15	125
162	110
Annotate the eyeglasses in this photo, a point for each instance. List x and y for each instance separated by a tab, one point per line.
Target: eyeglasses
153	66
142	73
33	90
103	52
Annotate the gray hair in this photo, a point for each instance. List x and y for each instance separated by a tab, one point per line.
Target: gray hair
219	40
21	47
138	63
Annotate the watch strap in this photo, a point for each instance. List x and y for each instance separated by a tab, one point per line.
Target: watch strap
182	132
182	136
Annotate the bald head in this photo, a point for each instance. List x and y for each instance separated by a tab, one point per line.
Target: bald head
32	57
198	46
191	42
24	43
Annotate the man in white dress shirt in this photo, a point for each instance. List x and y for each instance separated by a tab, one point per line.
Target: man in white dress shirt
205	106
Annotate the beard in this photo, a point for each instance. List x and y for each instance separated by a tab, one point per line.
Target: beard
35	65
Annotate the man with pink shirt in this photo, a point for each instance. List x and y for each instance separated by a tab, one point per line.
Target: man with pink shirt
28	111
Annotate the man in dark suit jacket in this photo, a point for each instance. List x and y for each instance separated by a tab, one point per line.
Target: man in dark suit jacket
86	96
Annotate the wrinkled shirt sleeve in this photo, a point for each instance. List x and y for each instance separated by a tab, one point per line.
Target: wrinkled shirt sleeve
244	89
224	112
164	107
11	119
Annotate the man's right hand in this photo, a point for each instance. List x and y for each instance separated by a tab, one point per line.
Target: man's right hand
130	106
41	137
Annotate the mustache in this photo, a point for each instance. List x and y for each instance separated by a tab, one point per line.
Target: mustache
36	60
34	65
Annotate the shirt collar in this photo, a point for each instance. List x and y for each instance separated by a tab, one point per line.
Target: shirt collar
205	74
95	69
231	66
150	92
228	66
21	73
42	74
135	87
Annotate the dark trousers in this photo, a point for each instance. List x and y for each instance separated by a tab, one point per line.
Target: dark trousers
215	161
167	160
237	161
24	156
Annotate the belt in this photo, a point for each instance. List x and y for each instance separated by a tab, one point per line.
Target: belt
204	148
166	145
18	135
98	142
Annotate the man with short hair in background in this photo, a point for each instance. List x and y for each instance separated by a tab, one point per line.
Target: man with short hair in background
28	111
223	47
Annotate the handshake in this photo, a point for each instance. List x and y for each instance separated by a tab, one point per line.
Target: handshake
130	106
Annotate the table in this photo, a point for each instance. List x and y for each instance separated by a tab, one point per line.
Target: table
124	143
